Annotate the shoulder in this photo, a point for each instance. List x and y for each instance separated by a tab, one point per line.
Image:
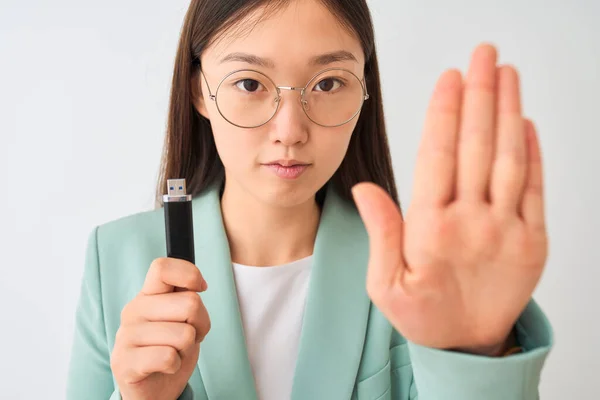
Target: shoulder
130	226
122	249
119	254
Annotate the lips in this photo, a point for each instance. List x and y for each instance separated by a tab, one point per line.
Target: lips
287	163
287	172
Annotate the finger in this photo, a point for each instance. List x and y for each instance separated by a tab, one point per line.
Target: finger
383	223
166	274
532	207
435	170
185	307
144	361
175	334
476	134
510	164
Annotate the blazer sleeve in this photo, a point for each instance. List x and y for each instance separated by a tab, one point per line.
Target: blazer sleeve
439	374
89	373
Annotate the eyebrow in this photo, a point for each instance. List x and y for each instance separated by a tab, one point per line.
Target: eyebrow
319	60
328	58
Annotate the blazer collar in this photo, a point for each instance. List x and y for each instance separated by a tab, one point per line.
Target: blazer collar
336	312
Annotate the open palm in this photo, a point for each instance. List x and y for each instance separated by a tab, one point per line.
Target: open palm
460	268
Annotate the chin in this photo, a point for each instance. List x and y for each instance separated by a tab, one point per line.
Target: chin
278	192
284	194
287	196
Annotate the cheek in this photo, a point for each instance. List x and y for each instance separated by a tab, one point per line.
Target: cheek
237	147
229	145
332	147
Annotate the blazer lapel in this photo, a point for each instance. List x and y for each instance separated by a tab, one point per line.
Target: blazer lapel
223	360
337	308
336	313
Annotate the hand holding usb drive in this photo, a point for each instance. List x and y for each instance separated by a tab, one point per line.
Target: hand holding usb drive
164	368
179	228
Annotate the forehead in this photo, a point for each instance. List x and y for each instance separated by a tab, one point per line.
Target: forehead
290	36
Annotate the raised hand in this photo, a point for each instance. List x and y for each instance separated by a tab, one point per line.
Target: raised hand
463	264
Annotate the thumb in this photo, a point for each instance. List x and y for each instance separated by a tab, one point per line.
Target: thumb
384	225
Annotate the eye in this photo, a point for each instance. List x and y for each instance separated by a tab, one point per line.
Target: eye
328	85
248	85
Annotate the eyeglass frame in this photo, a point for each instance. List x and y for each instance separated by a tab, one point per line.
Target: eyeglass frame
213	97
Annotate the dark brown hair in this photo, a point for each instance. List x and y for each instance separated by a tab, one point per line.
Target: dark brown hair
189	148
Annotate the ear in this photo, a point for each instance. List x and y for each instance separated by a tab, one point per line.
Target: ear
197	98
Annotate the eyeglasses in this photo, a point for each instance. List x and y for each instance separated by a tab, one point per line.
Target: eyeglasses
248	99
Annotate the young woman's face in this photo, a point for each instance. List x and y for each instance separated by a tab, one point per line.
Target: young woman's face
288	49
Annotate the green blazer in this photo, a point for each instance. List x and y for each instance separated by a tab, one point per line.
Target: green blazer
348	350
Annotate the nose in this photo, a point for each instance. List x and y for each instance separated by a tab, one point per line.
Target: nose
290	124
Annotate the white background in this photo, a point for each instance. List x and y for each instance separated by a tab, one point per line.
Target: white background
83	97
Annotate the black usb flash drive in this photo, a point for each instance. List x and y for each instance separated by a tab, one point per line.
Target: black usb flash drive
179	228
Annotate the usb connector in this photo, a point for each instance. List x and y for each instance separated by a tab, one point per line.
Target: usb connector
176	191
176	187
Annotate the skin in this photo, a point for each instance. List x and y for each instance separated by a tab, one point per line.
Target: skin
462	266
158	342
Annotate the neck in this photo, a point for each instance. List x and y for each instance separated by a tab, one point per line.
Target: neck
261	234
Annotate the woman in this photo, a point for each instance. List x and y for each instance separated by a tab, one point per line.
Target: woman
312	285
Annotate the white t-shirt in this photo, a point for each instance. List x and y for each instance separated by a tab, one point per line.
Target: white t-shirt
272	303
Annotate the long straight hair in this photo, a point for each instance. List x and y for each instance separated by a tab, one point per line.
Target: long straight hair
189	149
